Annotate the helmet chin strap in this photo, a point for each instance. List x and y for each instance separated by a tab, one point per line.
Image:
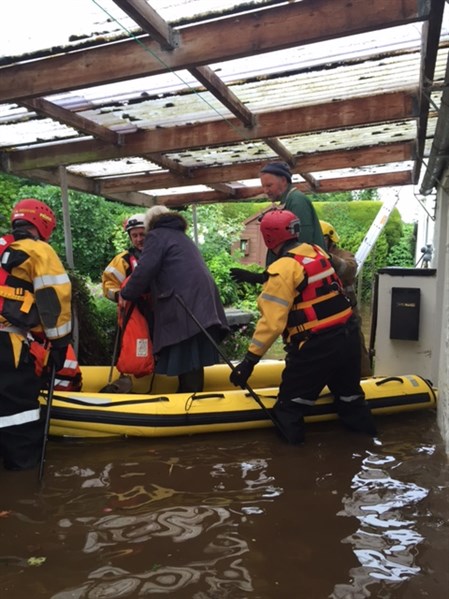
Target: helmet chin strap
25	230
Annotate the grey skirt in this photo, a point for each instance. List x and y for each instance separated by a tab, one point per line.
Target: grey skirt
188	355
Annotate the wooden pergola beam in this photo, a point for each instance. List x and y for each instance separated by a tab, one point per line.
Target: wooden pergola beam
67	117
320	161
206	43
254	194
295	121
150	21
115	187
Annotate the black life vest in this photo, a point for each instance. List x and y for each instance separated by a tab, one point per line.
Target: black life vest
16	296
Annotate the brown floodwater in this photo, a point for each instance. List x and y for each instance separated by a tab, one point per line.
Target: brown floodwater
233	516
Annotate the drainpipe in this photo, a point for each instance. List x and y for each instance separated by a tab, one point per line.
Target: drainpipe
439	153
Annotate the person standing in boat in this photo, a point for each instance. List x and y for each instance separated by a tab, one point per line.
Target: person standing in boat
345	266
302	299
114	276
276	180
122	265
171	265
35	297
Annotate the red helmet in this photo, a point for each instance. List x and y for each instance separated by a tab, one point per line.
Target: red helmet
37	214
278	226
134	221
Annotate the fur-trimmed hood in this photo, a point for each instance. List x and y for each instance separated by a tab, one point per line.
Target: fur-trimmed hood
169	220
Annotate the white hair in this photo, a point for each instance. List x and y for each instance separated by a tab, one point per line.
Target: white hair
152	213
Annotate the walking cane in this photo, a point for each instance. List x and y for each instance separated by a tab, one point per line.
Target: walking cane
114	354
232	367
51	386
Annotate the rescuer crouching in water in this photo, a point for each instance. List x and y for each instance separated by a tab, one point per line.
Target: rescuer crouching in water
302	299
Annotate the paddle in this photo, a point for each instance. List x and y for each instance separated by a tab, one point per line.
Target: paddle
231	366
51	386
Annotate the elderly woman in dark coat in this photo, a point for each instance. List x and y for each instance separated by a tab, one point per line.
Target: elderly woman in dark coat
170	265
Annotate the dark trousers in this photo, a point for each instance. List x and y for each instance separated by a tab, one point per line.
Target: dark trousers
329	358
20	444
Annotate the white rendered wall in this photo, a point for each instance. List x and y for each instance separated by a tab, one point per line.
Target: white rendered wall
441	262
398	356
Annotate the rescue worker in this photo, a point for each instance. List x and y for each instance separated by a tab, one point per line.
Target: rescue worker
35	297
114	276
122	265
345	266
302	299
276	180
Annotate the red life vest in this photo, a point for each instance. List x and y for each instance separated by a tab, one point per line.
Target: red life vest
5	242
132	263
136	348
320	303
40	357
69	378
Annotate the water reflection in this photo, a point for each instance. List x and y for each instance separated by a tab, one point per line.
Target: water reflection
232	516
212	562
385	542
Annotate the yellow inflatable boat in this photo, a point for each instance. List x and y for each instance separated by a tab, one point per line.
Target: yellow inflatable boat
154	409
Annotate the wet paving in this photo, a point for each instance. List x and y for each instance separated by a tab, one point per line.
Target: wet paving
233	515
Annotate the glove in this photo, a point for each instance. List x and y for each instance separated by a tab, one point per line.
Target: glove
240	275
242	372
57	357
122	303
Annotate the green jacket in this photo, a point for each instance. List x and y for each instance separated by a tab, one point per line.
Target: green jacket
298	203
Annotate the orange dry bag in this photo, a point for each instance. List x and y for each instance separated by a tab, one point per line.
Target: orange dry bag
136	351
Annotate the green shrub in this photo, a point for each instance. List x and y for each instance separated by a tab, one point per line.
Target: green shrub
235	346
96	319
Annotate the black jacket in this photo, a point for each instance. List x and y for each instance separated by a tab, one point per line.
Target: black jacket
171	264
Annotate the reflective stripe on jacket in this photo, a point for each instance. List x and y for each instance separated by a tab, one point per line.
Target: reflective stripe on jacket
118	269
20	418
35	288
285	289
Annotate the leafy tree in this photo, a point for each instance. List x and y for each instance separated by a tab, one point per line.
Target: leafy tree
218	226
9	194
345	196
215	232
96	226
352	221
97	322
97	235
403	253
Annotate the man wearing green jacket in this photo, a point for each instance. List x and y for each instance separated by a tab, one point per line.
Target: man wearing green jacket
276	180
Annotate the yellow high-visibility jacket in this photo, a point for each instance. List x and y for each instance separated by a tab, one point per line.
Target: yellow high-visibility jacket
35	290
120	267
281	302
